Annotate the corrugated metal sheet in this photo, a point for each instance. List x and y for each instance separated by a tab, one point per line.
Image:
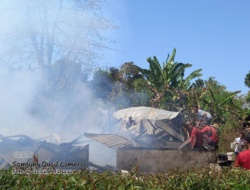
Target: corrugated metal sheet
149	121
146	118
110	140
140	113
168	129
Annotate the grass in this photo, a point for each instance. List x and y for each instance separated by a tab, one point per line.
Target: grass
226	178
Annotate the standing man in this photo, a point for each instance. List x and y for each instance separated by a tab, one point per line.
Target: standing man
196	136
240	143
243	158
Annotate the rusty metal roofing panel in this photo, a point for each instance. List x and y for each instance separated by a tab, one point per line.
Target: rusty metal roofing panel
139	113
110	140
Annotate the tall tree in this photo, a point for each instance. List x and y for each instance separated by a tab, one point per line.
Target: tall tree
60	40
123	88
247	83
102	83
247	80
47	31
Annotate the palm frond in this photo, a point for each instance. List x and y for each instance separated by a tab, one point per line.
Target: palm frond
229	96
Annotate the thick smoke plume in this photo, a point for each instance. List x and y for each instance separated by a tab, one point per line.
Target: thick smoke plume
46	48
27	109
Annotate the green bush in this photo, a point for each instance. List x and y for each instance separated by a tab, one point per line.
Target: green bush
206	179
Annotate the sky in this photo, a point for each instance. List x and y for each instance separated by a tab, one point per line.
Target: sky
211	35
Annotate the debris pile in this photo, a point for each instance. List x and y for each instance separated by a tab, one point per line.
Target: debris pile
152	128
22	149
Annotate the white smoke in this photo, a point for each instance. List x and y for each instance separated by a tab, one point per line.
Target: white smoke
17	91
29	103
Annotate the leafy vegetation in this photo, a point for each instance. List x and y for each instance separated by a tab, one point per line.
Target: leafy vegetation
247	79
176	179
165	81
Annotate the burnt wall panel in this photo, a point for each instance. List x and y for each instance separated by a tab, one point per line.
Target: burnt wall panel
150	160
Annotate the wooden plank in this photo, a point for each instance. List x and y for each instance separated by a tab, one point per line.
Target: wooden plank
154	127
169	130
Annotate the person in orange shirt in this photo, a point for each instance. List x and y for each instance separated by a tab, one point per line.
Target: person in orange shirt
196	136
243	158
210	135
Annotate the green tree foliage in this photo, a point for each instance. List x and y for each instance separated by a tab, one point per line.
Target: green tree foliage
247	80
182	90
161	80
102	84
198	84
244	103
248	97
221	103
196	90
123	88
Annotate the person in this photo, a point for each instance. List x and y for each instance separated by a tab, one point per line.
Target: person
130	123
247	130
240	143
201	124
243	158
210	135
195	136
202	115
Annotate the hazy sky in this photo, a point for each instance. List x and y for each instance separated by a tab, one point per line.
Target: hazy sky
211	35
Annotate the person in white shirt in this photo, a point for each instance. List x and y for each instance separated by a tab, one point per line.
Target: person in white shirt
240	143
202	115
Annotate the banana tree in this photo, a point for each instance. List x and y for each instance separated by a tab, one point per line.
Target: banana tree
220	104
161	80
183	91
195	91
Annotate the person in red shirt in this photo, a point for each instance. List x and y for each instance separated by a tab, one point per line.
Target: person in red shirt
196	136
210	135
243	158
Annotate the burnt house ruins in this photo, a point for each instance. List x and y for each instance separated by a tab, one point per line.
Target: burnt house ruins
158	141
23	149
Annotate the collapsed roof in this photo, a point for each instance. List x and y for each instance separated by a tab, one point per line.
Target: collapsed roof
150	123
22	148
144	113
